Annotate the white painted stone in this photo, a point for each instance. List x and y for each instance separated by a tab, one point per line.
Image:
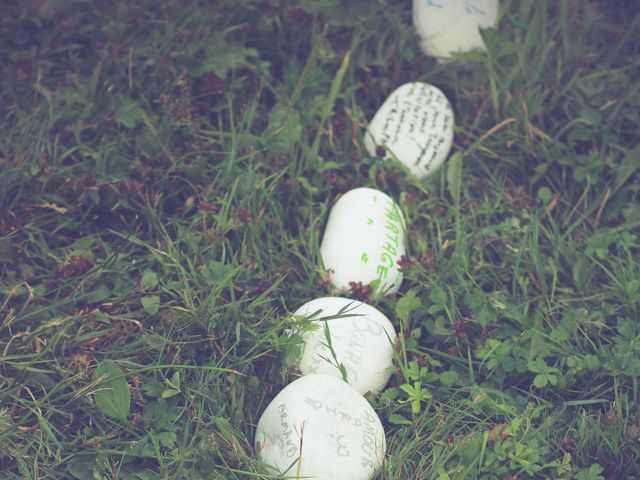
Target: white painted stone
342	437
362	339
448	26
363	241
415	125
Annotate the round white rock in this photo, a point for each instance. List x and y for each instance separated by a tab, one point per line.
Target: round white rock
415	125
341	436
363	241
362	339
448	26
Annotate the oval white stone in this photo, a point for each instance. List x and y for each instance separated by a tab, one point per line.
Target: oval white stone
342	436
362	339
363	241
415	125
448	26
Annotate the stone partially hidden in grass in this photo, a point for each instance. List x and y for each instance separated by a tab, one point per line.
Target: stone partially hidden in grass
449	26
319	427
350	339
363	241
415	126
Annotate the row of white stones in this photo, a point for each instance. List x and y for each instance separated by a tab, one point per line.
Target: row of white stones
320	426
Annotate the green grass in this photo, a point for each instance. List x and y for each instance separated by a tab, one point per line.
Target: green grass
166	169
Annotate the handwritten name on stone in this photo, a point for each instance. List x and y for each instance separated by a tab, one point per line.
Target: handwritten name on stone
288	444
393	231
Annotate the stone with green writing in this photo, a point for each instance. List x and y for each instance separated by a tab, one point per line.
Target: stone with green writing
415	127
449	26
319	427
364	238
345	338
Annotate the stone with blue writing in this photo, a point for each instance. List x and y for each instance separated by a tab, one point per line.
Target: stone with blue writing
344	338
449	26
319	427
364	238
415	126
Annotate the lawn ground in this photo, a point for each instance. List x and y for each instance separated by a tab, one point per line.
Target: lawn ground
166	170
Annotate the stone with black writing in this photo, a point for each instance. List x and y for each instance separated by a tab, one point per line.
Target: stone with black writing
364	238
415	127
319	427
346	338
449	26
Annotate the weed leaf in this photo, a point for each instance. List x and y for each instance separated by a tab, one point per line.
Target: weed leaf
149	279
407	304
113	397
129	114
151	304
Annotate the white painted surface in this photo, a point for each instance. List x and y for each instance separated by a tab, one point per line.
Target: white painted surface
362	338
342	436
415	125
364	238
447	26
